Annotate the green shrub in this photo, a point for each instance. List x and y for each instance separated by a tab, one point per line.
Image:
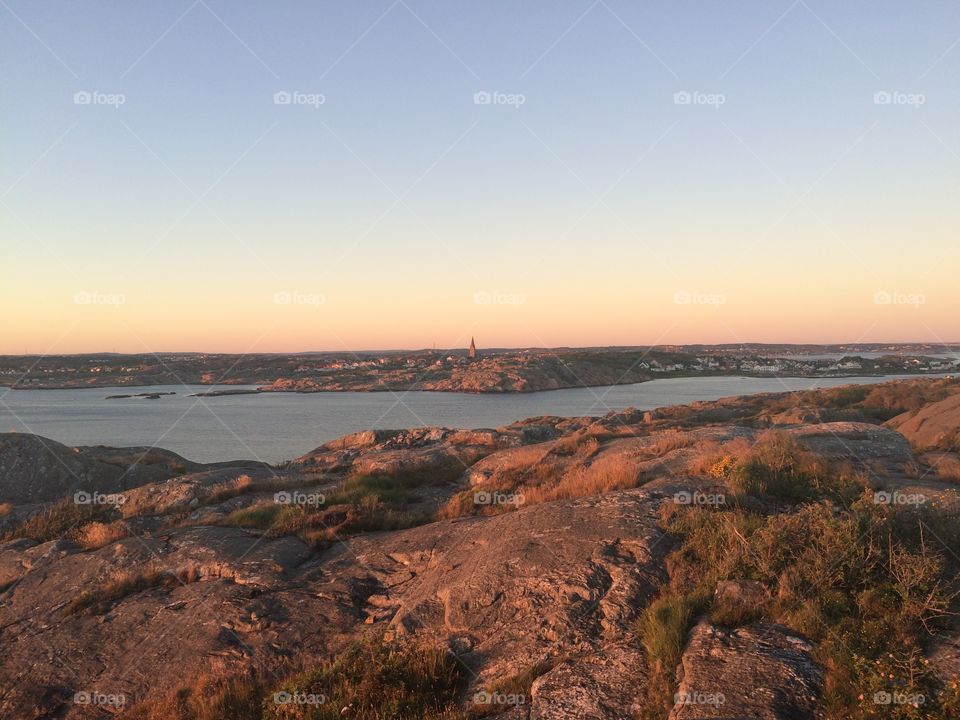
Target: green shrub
664	624
778	468
262	516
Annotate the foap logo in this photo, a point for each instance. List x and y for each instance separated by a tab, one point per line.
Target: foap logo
695	97
295	97
898	498
686	297
99	699
898	698
82	497
485	97
896	297
485	697
693	697
95	97
299	498
87	297
285	297
495	297
299	698
699	498
895	97
486	497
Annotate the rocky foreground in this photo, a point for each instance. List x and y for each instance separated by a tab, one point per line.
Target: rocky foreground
773	557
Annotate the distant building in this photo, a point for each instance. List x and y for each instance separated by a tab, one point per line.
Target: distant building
472	352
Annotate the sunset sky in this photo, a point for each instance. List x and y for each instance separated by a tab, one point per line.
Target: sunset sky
248	176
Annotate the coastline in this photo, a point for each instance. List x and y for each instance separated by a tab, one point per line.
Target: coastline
496	390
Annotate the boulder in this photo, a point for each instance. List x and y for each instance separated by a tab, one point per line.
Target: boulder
761	672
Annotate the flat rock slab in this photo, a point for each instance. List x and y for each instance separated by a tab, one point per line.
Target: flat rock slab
761	672
598	687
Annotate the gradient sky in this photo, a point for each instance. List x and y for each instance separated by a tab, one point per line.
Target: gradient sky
200	215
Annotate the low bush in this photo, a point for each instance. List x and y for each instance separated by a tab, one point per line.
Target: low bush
778	468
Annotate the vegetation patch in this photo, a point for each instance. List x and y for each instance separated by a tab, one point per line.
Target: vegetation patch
374	679
58	519
778	468
361	503
95	535
209	697
860	581
878	403
371	679
122	585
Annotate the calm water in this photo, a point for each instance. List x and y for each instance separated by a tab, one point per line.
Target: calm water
280	426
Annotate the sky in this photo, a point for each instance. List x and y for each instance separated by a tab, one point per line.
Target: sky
267	177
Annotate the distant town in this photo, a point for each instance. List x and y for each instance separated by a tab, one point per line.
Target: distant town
468	369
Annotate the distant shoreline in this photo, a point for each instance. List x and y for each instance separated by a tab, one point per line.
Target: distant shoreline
265	389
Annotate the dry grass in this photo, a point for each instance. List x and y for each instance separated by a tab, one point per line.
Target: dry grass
715	459
668	441
376	680
96	535
58	519
946	466
580	443
232	488
124	583
546	482
212	695
605	474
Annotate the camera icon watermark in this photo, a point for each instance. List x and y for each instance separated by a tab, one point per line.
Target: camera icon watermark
485	97
898	698
895	297
895	97
299	698
695	97
285	297
896	497
299	498
495	297
494	497
485	697
87	297
686	297
693	697
99	699
82	497
685	497
295	97
95	97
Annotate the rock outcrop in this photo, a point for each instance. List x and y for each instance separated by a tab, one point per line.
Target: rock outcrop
547	592
760	672
932	427
36	469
